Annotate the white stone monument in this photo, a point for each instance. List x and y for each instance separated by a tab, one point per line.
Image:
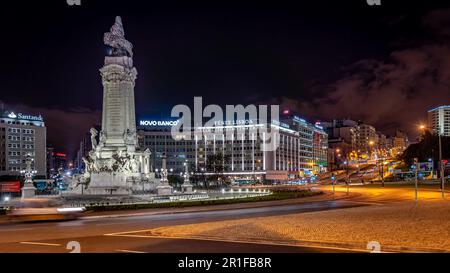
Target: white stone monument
115	164
28	189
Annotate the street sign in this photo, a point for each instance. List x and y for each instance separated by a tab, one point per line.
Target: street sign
425	166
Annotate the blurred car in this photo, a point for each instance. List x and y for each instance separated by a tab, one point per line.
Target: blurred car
42	209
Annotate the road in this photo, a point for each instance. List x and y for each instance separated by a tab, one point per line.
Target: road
93	232
124	234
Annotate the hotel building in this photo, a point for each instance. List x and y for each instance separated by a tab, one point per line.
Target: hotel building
302	149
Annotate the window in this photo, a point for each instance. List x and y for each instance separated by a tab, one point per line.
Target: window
14	145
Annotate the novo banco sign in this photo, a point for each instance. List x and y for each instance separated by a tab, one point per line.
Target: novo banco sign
158	122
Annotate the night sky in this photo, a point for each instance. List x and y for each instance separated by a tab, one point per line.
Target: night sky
385	65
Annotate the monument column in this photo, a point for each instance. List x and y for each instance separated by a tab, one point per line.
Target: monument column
118	78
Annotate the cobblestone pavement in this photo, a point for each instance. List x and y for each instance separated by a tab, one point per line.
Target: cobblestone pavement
397	224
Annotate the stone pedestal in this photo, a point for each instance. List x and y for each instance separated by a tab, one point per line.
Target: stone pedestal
164	190
106	183
28	191
186	188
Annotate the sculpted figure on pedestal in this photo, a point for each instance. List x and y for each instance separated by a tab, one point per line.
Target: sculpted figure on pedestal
87	164
115	39
94	134
134	166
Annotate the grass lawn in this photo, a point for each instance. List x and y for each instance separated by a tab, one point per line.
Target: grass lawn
277	195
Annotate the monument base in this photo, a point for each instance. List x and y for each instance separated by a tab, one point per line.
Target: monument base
28	191
164	190
186	188
108	183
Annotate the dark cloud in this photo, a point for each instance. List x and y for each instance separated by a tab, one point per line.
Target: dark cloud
439	21
396	92
390	94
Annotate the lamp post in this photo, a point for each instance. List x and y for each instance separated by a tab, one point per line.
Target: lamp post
337	157
441	165
28	190
333	178
371	143
416	164
348	177
187	186
164	188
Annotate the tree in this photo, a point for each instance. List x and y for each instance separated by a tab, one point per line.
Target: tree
198	175
175	180
218	164
427	148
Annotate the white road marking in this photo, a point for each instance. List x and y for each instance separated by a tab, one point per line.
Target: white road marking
14	229
39	244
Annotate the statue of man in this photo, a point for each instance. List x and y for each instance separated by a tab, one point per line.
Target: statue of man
94	134
134	164
87	164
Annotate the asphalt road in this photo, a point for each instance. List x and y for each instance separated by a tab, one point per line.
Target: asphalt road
100	234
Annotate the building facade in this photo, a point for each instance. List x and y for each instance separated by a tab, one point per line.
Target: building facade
302	148
22	135
367	141
439	120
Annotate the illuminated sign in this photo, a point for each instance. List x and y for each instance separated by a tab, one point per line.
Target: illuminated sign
233	122
299	119
281	124
25	117
10	186
158	122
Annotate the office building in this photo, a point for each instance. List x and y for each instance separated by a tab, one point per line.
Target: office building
21	135
439	120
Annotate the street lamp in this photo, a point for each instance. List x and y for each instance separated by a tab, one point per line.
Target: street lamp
441	167
371	143
348	177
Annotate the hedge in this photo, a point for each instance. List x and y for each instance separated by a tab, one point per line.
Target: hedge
277	195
